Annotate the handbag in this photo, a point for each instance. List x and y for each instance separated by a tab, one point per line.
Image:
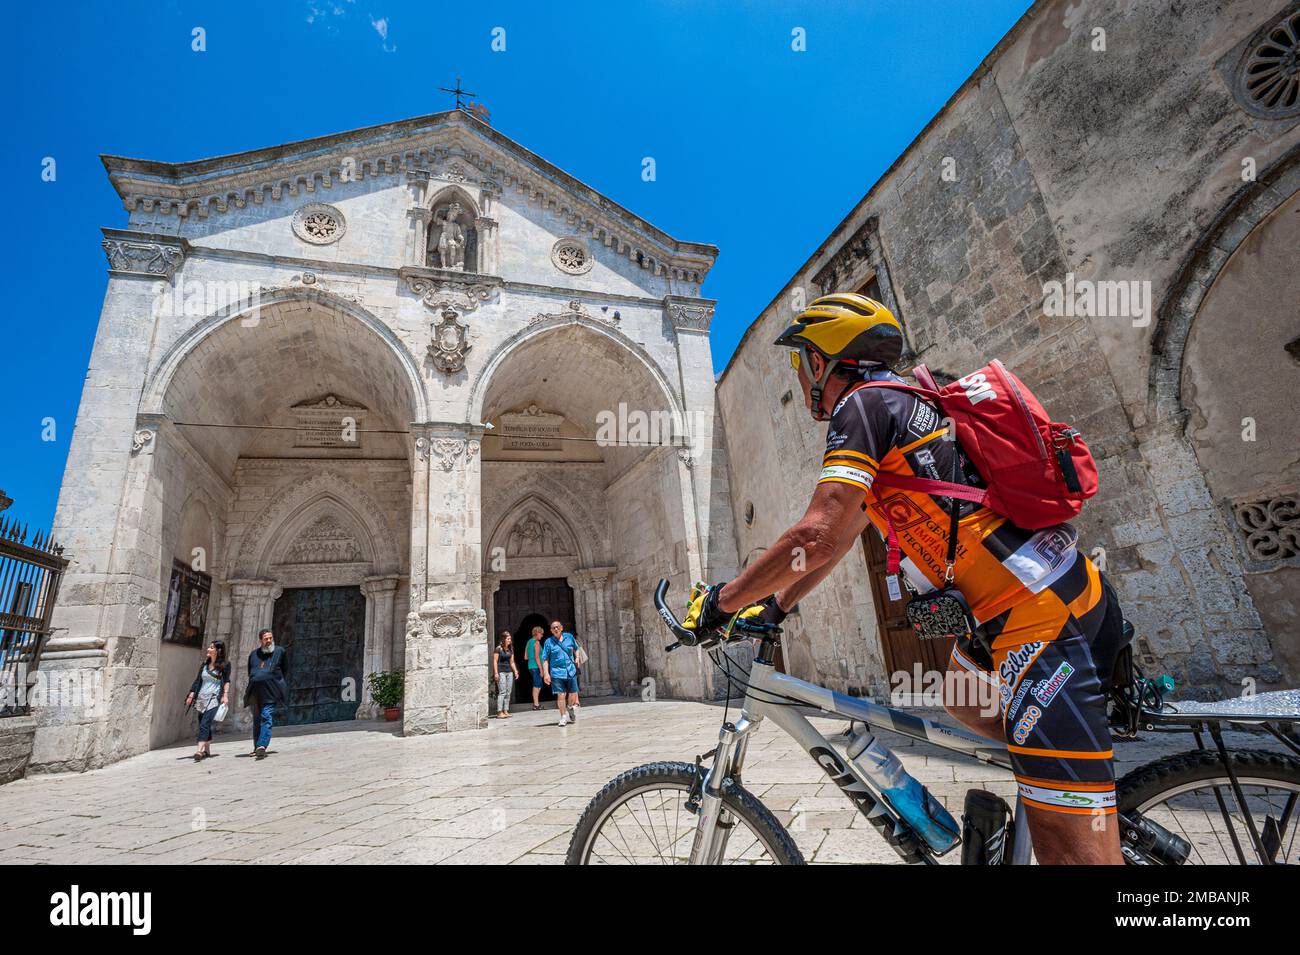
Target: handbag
222	712
580	657
943	613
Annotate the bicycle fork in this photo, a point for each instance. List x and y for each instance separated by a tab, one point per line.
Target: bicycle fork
713	823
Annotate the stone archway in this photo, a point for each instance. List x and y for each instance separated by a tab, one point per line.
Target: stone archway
327	532
249	313
243	403
1251	205
1196	425
627	495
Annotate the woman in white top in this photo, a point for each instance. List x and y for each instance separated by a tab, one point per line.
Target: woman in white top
209	692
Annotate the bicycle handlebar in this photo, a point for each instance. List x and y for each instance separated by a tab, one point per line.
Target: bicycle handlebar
685	638
689	638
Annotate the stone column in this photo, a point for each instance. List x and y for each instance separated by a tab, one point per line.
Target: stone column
591	585
446	646
691	318
378	654
418	217
252	607
487	244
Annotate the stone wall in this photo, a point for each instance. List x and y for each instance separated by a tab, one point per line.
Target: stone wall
16	736
1054	159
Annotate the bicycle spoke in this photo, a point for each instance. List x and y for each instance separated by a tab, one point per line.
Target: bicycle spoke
649	826
1220	829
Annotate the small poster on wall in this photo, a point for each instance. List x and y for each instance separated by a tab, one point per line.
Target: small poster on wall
187	606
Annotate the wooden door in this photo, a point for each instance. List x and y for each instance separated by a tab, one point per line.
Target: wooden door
902	649
323	631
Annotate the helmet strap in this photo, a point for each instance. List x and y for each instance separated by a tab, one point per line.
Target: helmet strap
815	391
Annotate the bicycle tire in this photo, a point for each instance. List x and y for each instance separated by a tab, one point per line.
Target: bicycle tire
1165	778
671	775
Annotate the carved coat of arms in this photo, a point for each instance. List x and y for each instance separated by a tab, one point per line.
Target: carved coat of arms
449	343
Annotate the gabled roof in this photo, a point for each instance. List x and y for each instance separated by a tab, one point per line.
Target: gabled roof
208	187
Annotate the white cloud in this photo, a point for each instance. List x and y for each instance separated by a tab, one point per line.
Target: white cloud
320	8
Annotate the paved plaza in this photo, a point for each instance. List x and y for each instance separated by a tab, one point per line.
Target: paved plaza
358	792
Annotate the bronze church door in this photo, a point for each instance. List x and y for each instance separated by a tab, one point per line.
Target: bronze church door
522	604
323	631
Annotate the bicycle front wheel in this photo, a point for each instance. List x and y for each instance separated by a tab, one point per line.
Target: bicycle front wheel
1191	796
641	818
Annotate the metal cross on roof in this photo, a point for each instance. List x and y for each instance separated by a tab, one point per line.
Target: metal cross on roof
458	93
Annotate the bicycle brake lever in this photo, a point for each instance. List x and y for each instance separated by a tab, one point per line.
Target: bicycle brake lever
671	647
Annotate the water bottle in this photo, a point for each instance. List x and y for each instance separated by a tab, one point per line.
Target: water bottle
905	794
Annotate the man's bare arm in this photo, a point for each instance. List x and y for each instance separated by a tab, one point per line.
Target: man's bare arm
803	555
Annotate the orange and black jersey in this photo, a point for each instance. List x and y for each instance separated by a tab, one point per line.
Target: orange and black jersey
999	565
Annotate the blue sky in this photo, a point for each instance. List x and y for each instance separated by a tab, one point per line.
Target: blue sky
759	149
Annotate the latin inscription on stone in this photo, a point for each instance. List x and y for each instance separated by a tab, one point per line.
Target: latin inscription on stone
531	430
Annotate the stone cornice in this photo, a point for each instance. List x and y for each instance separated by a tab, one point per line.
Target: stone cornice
216	185
323	268
150	254
689	314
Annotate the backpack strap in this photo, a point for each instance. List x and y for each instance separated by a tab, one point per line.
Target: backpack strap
929	390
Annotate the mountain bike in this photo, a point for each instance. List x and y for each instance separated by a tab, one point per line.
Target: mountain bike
1206	806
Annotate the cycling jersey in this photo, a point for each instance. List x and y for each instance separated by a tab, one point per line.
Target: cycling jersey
1040	604
998	564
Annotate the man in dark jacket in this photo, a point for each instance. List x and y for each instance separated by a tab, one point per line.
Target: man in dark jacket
268	669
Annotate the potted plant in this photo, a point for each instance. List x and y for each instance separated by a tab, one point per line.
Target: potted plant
386	690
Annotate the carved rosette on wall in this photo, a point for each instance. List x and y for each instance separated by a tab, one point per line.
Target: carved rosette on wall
1271	527
319	223
132	254
449	343
571	256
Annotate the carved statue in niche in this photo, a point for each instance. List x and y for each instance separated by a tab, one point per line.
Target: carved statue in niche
452	239
533	537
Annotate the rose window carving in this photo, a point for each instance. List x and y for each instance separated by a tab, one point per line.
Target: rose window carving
319	224
1268	80
571	255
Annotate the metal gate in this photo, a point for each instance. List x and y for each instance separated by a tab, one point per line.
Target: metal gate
30	575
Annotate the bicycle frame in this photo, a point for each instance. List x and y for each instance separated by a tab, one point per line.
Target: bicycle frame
763	701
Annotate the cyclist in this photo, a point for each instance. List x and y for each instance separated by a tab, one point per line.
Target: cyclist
1039	603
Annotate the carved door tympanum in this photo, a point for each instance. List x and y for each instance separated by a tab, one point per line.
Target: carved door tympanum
323	631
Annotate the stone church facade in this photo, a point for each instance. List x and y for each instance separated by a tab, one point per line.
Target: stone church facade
365	386
355	387
1164	150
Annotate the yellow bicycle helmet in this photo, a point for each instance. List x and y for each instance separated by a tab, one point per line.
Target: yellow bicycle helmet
846	329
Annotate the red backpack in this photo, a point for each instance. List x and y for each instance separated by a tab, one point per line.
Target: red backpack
1038	471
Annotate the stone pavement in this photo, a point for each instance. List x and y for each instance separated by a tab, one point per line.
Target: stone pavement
360	793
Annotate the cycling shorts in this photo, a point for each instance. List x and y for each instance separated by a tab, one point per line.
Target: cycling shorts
1051	692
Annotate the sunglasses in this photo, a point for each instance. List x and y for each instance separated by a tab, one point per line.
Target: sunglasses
794	360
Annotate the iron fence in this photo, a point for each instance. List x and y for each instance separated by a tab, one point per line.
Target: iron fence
30	574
